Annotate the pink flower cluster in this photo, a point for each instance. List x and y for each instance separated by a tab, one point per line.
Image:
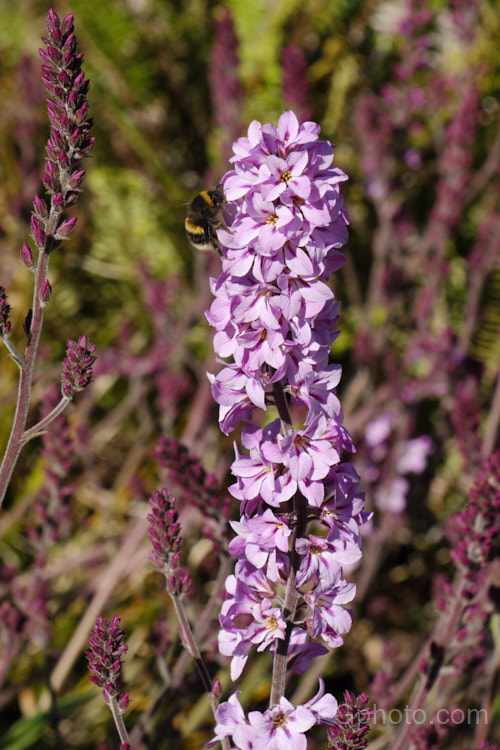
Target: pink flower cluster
281	726
273	312
274	316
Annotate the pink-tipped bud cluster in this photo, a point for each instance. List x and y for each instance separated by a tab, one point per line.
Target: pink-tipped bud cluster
69	139
475	531
165	535
352	723
77	366
107	647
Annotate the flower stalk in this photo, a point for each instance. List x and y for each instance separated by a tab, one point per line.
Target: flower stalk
68	143
107	647
164	533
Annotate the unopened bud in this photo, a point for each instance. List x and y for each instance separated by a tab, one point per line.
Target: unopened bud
67	23
58	202
40	208
37	232
64	229
124	703
184	583
46	293
53	23
76	178
63	159
171	585
87	148
217	689
49	177
52	151
81	113
27	256
4	313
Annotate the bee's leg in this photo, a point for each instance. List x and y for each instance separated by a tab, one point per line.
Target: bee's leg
214	240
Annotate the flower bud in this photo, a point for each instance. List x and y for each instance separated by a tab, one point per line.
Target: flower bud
64	79
67	24
63	160
40	208
217	689
77	366
27	256
70	44
123	704
5	325
184	583
58	202
76	179
52	20
72	100
52	54
37	232
81	113
171	586
107	645
64	229
49	178
87	148
45	293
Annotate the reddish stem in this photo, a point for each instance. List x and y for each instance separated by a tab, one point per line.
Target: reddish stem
23	398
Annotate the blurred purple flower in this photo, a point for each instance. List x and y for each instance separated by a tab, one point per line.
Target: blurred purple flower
390	497
195	487
389	459
226	91
413	458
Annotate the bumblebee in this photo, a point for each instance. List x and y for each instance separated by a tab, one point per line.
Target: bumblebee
204	218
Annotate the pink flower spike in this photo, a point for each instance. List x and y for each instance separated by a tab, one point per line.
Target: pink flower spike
274	317
107	646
